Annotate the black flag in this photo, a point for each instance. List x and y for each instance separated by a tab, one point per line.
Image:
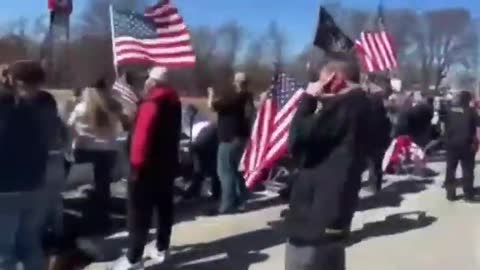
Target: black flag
329	36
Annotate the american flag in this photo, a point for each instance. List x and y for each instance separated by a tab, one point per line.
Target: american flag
268	141
124	92
402	150
157	37
376	51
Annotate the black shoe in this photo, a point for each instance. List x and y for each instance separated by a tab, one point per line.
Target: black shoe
451	194
188	195
213	197
372	189
212	213
215	212
471	197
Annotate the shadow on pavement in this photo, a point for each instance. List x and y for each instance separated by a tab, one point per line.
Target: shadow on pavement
233	253
393	224
96	248
392	195
240	251
245	249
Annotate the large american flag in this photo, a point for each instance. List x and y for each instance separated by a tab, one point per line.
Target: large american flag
269	138
376	51
157	37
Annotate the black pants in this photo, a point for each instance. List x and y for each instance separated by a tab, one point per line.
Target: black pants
375	172
327	256
466	157
103	162
146	196
205	165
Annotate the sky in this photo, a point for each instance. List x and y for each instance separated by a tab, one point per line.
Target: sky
297	18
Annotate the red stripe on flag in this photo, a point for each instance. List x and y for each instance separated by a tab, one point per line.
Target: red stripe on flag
172	47
376	51
269	139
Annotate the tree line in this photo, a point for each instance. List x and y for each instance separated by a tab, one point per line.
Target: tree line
430	45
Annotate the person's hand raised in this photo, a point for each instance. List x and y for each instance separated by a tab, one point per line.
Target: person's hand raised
211	91
318	88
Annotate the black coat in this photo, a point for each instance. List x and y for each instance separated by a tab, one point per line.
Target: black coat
28	129
330	147
461	127
379	125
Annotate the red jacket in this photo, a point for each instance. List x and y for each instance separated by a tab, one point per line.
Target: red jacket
156	134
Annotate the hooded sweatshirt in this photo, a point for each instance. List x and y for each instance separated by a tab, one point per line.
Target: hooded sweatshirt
156	134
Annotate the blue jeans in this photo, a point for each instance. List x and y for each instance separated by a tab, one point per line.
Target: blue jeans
234	191
54	185
22	217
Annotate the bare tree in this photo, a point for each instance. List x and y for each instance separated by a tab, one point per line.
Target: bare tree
15	43
229	42
305	64
205	41
230	39
465	80
403	24
277	43
357	21
258	70
447	40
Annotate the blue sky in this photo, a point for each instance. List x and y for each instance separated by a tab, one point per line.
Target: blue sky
296	17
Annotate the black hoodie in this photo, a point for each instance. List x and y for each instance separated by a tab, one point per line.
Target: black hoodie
330	147
28	128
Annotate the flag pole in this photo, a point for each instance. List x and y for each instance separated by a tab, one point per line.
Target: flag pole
112	30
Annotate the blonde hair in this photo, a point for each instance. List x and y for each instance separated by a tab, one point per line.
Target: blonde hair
98	114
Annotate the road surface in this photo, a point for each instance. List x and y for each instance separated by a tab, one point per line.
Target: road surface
410	225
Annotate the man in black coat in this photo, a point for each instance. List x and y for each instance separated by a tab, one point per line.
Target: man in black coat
461	143
380	128
330	144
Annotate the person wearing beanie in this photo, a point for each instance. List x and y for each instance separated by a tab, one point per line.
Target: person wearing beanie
154	151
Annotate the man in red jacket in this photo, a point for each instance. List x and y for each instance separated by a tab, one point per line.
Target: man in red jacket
154	159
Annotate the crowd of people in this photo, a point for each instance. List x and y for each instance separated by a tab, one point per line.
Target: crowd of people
340	130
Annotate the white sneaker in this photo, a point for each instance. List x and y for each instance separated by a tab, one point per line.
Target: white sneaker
157	257
124	264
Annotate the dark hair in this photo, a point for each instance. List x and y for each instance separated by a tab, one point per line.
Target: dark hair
464	98
29	72
5	73
346	64
100	83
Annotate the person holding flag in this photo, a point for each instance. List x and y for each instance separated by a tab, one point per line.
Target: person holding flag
154	40
154	160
